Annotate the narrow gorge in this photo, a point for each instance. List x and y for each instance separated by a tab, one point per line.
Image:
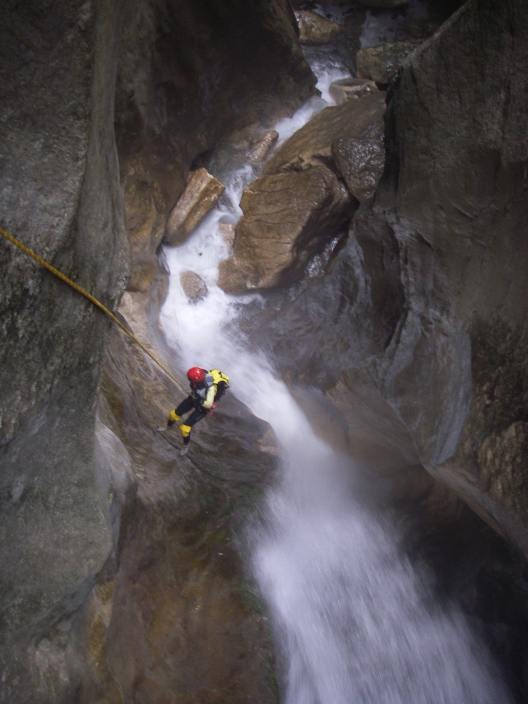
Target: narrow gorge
327	201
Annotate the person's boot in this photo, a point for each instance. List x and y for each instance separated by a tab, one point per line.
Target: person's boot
185	431
173	418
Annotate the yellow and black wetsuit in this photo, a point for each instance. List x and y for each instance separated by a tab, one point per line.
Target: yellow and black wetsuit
200	401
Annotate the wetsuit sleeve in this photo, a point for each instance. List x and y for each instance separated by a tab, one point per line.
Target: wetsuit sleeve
210	397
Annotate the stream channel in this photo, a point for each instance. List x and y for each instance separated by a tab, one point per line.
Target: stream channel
354	621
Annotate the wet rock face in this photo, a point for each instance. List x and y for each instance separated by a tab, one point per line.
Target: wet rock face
460	227
179	90
60	194
430	294
176	618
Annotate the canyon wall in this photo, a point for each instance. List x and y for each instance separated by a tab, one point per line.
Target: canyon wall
182	82
450	217
427	300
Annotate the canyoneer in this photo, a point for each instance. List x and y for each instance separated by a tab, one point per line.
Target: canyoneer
207	388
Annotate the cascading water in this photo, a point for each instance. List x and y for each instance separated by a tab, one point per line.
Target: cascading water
354	623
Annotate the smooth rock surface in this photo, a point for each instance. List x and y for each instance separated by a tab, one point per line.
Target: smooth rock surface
60	194
288	217
194	286
315	29
199	197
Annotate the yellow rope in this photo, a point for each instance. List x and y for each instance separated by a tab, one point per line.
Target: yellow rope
83	292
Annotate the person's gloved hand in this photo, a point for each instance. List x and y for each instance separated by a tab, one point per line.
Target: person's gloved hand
173	418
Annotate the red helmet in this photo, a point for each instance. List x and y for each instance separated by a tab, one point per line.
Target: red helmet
196	375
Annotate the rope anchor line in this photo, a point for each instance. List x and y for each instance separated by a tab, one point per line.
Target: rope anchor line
86	294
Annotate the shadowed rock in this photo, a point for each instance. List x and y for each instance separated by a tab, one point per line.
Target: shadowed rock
360	162
199	197
383	4
381	63
347	88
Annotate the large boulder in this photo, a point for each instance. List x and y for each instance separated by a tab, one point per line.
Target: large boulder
381	63
315	29
312	145
288	217
299	205
199	197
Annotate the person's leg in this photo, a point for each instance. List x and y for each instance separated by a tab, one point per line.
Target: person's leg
185	406
185	428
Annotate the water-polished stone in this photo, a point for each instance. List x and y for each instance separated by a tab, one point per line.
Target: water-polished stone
199	197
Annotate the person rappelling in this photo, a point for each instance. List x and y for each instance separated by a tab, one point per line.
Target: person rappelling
207	388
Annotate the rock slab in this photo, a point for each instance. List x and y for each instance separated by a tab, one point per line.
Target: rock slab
261	147
199	197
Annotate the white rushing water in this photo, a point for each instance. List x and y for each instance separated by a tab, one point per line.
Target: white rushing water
354	623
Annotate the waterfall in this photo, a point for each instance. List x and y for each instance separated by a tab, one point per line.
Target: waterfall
354	622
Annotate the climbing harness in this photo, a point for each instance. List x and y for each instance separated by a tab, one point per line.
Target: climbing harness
89	297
